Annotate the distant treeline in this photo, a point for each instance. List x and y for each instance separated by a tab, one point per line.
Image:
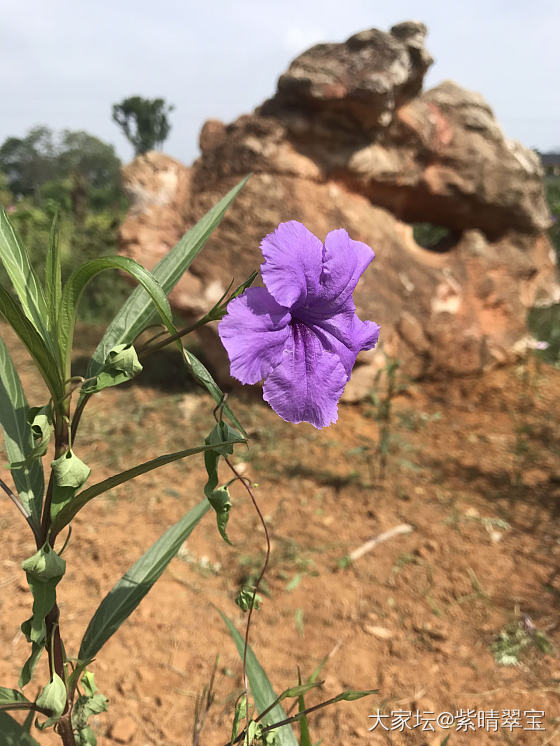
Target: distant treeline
76	176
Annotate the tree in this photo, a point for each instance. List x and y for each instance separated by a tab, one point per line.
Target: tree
93	169
143	121
74	169
29	162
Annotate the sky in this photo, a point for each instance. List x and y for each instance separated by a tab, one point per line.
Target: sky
63	63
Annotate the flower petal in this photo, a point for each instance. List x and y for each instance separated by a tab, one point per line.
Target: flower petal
254	333
344	262
292	266
307	384
343	333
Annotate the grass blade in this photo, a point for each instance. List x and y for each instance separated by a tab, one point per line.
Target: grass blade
125	596
18	437
261	688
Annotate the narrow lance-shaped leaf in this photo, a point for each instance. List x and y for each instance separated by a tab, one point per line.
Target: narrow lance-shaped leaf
82	498
202	375
261	688
53	282
11	699
78	281
28	288
138	312
125	596
46	362
18	437
304	735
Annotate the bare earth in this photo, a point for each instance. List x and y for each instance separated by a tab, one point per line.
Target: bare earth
474	467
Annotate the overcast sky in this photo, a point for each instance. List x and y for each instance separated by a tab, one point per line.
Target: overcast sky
65	62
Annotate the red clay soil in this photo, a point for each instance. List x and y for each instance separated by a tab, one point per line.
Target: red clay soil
474	468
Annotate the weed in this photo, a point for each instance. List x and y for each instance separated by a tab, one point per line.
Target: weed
515	638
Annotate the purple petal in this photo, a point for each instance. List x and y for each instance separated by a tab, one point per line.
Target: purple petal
343	333
292	266
254	333
307	384
344	262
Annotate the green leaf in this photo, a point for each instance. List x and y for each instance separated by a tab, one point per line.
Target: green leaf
240	714
37	348
86	737
202	375
304	735
298	691
125	596
69	470
82	498
18	437
44	570
36	651
69	473
40	419
220	444
14	734
11	699
352	694
220	500
28	288
121	365
138	312
53	282
247	598
88	704
261	688
53	699
77	283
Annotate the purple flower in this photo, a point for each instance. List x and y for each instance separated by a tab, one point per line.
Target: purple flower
301	333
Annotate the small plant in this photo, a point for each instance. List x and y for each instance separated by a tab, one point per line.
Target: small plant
383	412
516	638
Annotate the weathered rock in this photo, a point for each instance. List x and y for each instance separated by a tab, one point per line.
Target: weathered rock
358	83
445	160
368	155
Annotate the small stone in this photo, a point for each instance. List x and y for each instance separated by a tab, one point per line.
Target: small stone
436	631
123	730
382	633
471	512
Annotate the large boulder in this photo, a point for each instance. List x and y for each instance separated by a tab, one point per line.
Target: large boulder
349	140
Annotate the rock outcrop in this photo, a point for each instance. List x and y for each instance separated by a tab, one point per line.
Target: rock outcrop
350	140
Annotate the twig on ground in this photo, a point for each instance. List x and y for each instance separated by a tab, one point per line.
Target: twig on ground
402	528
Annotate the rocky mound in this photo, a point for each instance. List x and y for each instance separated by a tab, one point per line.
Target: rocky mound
350	140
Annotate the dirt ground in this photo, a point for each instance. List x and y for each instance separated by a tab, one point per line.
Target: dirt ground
473	467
